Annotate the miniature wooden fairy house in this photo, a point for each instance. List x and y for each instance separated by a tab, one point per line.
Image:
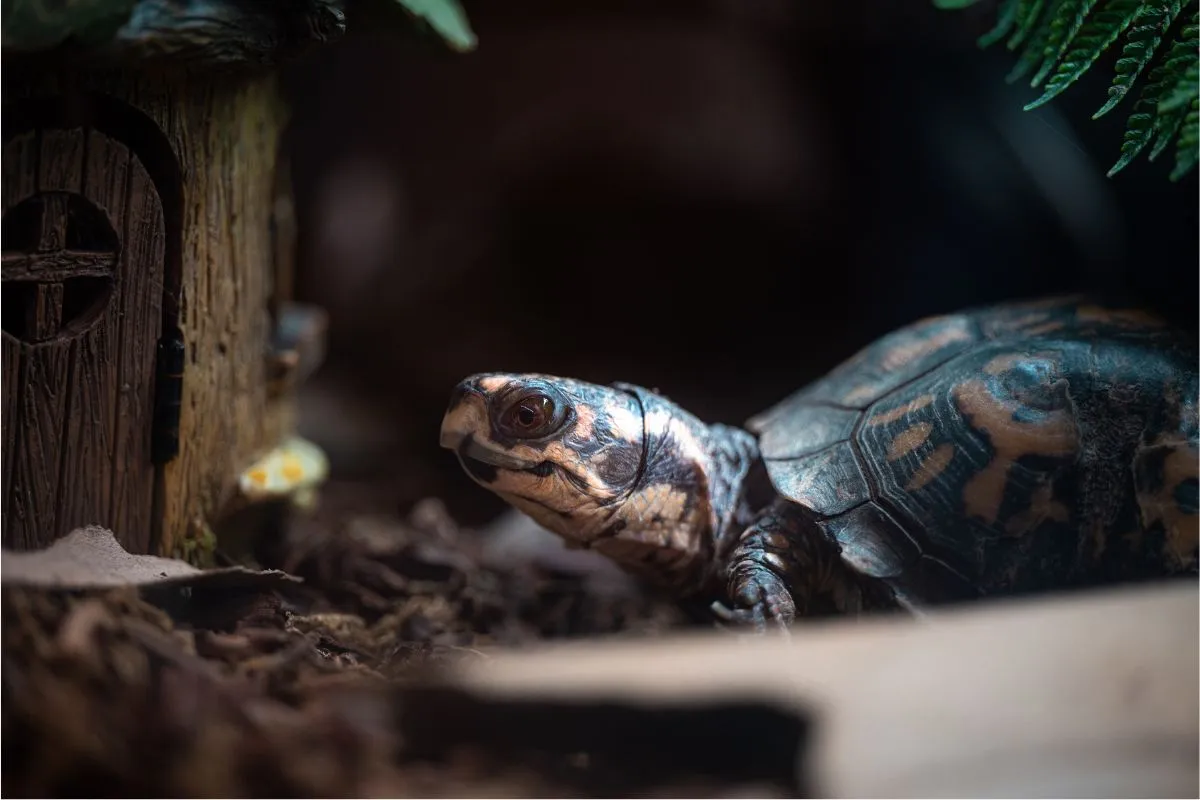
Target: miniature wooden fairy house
149	348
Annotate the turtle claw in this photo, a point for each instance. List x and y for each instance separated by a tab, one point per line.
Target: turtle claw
763	603
722	611
728	618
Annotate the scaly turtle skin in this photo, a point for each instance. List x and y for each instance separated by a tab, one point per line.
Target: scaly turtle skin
1001	451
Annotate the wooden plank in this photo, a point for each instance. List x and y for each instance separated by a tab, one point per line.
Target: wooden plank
88	466
46	390
140	313
43	392
20	171
58	266
45	316
10	361
20	181
1088	694
52	237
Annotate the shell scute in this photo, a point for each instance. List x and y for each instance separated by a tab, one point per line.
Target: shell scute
1002	450
796	435
879	368
828	482
869	545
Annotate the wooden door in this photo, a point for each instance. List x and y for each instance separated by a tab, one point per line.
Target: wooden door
83	257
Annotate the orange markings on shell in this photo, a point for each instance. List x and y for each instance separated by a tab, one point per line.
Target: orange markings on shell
1182	527
1055	435
1045	327
1001	364
894	414
909	440
1025	322
1042	506
1120	317
931	468
938	332
946	331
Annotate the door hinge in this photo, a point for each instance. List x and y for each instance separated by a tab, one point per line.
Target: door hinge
168	396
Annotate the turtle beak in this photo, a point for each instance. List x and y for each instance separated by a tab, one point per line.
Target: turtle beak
470	448
465	430
466	416
452	438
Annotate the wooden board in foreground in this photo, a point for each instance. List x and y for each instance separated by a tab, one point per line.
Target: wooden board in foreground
1094	695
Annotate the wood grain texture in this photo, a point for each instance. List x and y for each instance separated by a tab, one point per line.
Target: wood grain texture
88	468
38	449
10	360
137	341
45	314
1092	694
62	156
19	182
62	265
225	134
20	168
227	138
44	390
219	133
70	462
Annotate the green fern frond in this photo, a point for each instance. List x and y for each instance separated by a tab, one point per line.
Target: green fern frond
1145	33
1029	14
1096	35
1187	145
447	18
1167	127
1182	63
1068	19
1060	40
1188	85
1032	55
1006	18
1149	120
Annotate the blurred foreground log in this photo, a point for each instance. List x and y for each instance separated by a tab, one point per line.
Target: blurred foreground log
1091	695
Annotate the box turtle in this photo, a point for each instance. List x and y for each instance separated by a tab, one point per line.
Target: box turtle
1007	450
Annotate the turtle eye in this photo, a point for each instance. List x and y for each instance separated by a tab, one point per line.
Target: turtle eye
531	416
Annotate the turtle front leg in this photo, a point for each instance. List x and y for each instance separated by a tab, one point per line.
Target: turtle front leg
760	566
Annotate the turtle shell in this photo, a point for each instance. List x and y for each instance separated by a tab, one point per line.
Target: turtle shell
1008	449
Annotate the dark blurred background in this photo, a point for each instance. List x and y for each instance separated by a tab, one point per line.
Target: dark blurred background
721	199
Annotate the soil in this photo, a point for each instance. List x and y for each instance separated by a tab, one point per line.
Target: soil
248	688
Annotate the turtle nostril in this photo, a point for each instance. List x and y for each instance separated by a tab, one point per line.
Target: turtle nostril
458	393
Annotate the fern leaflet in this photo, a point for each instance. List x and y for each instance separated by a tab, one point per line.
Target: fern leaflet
1060	40
1007	18
1032	55
1183	65
1096	35
1145	34
1029	13
1167	127
1068	19
1147	120
1187	146
1188	84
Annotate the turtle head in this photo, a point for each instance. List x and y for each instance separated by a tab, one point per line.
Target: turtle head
618	469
